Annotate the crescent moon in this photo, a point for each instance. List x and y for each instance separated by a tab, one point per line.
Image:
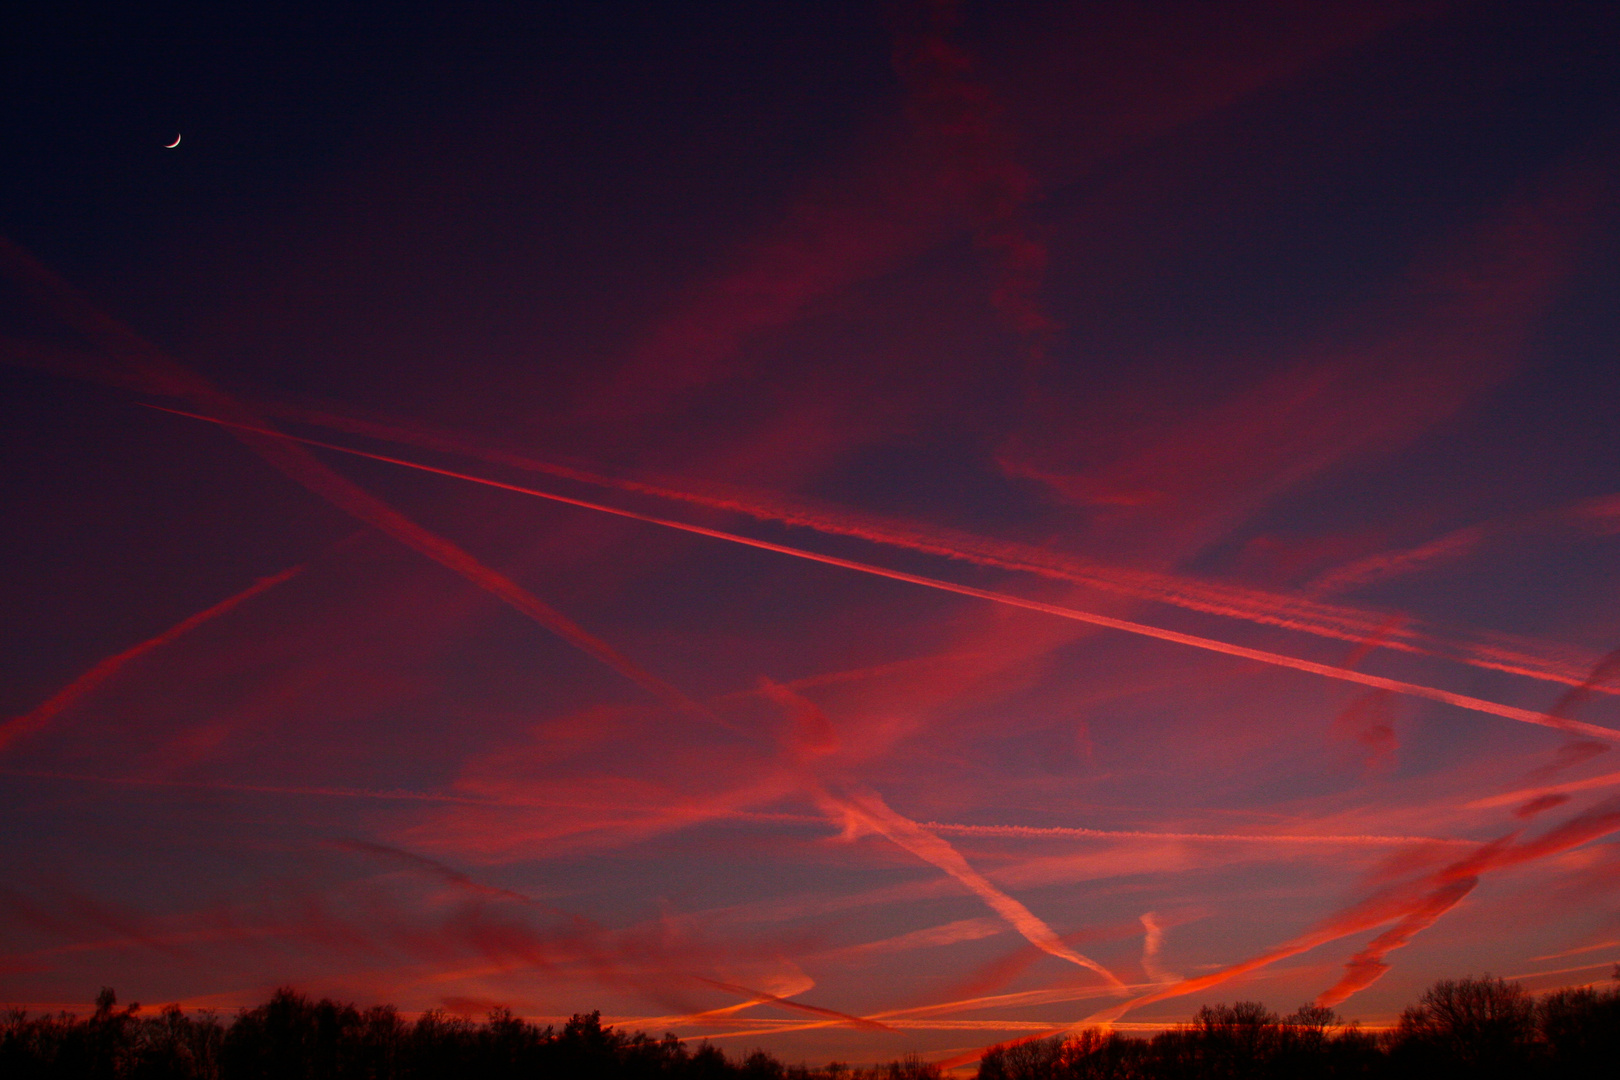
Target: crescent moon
172	145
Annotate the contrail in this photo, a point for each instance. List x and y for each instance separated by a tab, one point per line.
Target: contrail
437	869
1602	673
938	827
1563	971
47	710
1368	966
1017	999
1456	881
168	376
1062	832
1412	909
255	789
908	1018
1571	952
865	811
949	933
1507	799
872	812
760	997
1437	893
1329	671
1152	944
1302	614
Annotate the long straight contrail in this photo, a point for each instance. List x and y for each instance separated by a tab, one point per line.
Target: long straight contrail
1329	671
1525	794
1290	612
1064	832
254	789
48	710
940	828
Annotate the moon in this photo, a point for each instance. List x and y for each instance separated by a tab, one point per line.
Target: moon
172	145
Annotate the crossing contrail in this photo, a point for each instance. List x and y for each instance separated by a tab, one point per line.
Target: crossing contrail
871	812
1329	671
1371	629
760	997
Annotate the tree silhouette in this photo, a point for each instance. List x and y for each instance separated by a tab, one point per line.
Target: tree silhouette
1479	1028
1482	1027
1580	1030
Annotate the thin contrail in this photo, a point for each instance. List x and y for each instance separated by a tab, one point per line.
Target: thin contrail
911	1018
437	869
254	789
47	710
1521	795
1562	971
1302	614
1330	671
939	827
760	997
1062	832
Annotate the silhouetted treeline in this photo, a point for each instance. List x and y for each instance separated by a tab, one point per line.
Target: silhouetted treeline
1481	1029
291	1037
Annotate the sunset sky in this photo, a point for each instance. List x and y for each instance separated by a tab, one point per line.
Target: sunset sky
847	528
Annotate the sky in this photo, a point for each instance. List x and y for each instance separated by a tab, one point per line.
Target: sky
846	528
